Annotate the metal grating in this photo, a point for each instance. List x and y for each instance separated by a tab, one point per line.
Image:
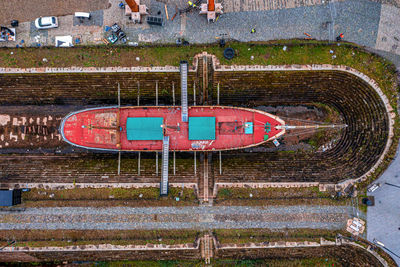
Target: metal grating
184	73
164	170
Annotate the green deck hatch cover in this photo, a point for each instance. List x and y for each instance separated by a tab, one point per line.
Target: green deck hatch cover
146	128
201	128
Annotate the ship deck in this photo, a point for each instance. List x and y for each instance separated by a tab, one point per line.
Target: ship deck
106	128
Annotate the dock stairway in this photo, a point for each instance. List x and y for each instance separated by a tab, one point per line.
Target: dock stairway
164	170
184	73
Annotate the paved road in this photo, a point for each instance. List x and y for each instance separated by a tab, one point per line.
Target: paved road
316	217
383	219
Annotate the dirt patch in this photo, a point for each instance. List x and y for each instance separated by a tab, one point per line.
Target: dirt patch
311	115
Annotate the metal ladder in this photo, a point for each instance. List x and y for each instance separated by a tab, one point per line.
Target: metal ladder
164	170
184	73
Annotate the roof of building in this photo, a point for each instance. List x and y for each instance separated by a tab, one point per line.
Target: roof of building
145	128
6	197
201	128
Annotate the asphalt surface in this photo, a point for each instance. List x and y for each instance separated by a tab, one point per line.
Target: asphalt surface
383	219
204	218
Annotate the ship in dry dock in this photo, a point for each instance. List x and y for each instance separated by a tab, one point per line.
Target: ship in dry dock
143	128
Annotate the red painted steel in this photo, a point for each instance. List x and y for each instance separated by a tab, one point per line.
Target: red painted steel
133	5
104	128
211	5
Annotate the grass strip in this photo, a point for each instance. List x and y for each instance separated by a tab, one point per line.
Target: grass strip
104	197
41	238
278	196
241	236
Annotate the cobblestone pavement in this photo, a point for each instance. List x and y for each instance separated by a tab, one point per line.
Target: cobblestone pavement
27	10
326	217
258	5
374	24
383	219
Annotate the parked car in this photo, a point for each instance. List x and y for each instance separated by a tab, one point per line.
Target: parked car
46	23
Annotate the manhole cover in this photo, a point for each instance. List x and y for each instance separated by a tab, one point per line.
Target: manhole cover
229	53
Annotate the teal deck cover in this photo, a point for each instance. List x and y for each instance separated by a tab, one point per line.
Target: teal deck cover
201	128
145	128
248	128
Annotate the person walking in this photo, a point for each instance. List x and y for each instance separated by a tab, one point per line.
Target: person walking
253	30
192	4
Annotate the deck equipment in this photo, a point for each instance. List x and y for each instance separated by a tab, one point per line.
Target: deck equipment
164	168
184	71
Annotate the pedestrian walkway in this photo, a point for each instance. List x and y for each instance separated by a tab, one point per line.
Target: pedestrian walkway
196	217
383	219
388	38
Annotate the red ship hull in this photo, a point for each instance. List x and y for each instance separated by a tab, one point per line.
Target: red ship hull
227	128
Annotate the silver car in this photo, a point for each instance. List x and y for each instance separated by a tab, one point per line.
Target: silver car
46	23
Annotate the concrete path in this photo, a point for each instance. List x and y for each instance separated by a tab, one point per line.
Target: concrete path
383	219
316	217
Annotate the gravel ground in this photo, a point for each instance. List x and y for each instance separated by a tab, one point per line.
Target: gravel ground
324	217
221	210
173	225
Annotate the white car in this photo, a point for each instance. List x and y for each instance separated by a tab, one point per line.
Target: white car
46	22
